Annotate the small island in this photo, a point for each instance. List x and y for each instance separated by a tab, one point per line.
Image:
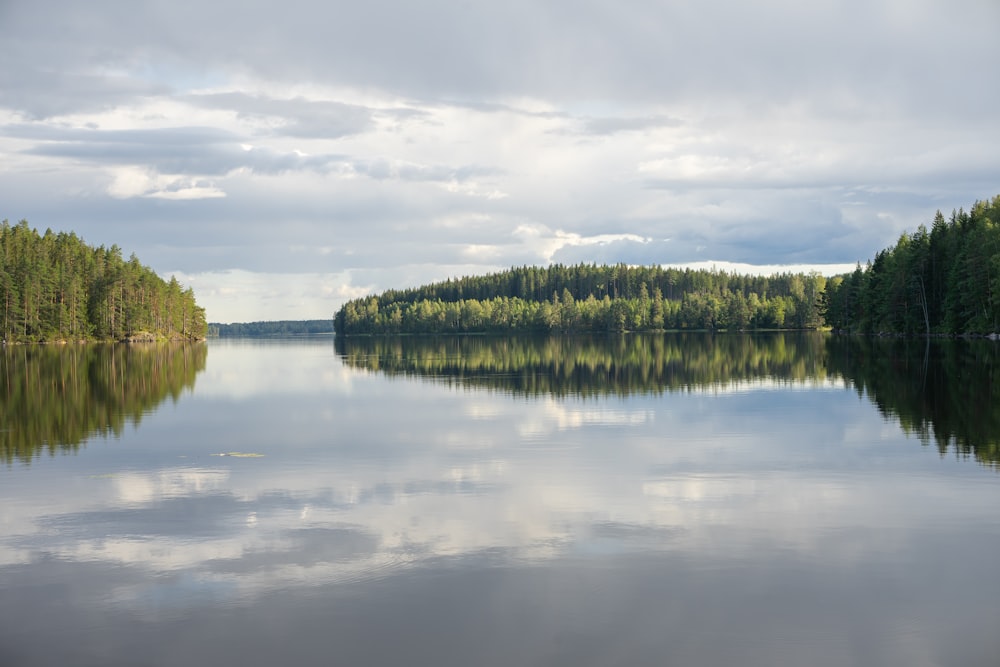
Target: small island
56	288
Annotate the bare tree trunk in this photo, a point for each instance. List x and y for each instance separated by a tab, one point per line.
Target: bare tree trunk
923	305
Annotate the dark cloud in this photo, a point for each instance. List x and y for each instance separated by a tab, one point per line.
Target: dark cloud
181	137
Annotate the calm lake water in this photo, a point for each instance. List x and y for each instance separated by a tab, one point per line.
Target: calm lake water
633	500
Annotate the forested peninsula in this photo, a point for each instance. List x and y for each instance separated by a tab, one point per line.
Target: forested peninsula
587	297
943	281
54	287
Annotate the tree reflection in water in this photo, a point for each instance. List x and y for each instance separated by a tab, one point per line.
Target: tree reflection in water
54	398
942	391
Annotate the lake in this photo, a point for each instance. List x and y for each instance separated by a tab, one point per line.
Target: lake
668	499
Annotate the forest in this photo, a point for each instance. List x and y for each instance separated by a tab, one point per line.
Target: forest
944	281
267	329
588	297
54	287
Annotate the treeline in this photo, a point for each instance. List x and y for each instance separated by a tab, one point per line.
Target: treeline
588	297
942	281
53	286
268	329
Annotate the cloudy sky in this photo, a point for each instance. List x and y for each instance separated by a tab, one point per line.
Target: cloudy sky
282	157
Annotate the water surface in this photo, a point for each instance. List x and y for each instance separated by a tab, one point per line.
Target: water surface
631	500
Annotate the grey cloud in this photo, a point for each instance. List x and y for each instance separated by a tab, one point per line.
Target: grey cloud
176	150
251	228
183	137
498	107
258	232
268	161
382	169
799	232
916	181
170	159
212	151
241	231
304	118
607	126
801	227
39	93
557	50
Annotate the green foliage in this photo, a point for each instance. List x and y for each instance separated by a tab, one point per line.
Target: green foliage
55	287
946	281
587	297
273	328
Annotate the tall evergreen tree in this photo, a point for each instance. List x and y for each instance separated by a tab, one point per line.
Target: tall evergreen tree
55	287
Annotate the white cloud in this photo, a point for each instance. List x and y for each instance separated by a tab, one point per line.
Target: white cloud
138	182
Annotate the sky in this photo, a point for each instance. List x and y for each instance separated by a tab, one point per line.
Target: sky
280	158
